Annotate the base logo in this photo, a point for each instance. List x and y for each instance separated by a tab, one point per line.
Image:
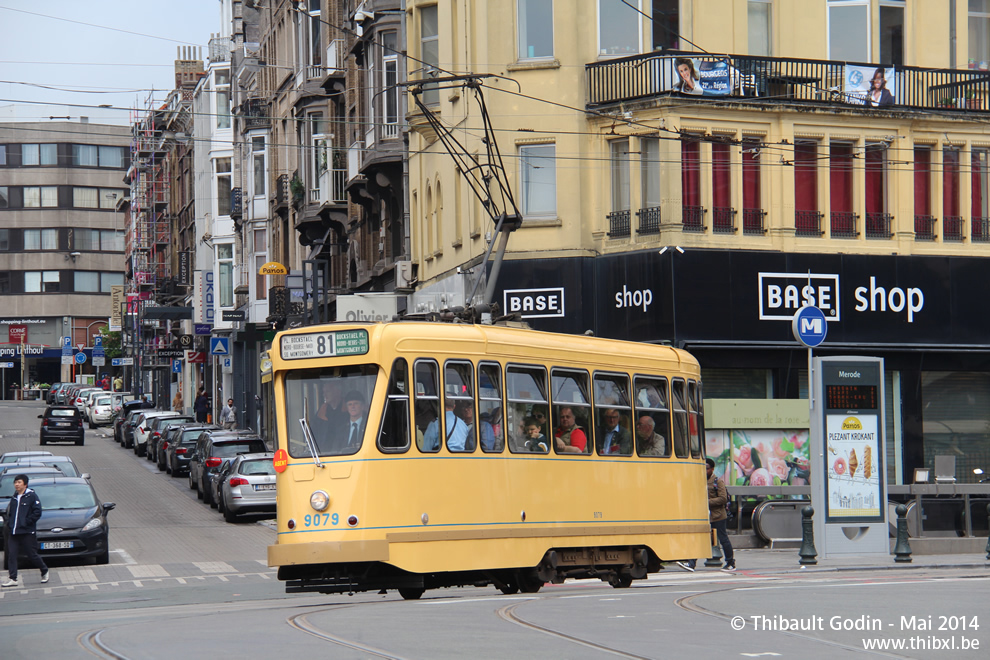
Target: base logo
534	303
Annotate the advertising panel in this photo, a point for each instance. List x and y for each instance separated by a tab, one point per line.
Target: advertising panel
116	307
699	77
852	467
874	87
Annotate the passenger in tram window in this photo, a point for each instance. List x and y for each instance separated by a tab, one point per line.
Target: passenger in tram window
427	438
454	426
648	441
569	437
465	411
535	440
613	438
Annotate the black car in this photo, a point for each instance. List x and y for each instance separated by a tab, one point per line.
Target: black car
73	520
158	426
181	441
61	424
52	397
118	421
212	449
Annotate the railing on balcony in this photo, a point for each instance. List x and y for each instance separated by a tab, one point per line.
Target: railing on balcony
981	230
753	222
332	188
723	220
649	220
878	225
618	224
791	79
255	113
282	190
693	218
236	203
953	228
314	72
924	228
808	223
219	49
336	53
843	224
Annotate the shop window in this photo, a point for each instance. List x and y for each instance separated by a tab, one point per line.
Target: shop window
737	383
954	421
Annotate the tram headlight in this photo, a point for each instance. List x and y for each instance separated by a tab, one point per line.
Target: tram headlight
319	500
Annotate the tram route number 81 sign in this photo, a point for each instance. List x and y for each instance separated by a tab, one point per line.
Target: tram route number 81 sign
324	344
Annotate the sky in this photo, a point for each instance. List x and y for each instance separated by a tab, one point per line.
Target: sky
81	48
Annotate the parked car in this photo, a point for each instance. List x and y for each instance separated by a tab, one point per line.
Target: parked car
73	521
127	430
158	425
64	464
80	397
181	444
143	428
10	473
104	405
213	448
14	456
121	415
53	392
61	424
246	485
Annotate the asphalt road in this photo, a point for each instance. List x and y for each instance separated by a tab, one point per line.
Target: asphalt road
183	583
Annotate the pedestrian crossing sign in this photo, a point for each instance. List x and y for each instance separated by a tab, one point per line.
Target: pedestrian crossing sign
219	346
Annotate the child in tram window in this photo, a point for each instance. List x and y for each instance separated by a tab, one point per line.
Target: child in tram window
535	440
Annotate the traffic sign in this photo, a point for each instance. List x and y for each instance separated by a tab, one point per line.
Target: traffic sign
80	346
67	349
6	365
176	366
219	346
98	341
67	359
226	364
80	358
809	326
122	362
99	360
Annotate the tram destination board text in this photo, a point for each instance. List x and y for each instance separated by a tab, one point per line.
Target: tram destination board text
324	344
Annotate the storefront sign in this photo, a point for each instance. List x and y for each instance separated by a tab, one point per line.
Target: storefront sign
17	333
116	307
367	308
535	303
203	297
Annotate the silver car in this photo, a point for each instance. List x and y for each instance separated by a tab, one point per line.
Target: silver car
246	485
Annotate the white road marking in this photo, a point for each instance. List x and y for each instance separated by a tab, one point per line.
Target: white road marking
126	557
76	575
214	566
148	571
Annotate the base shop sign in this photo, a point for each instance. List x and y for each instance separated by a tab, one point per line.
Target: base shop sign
535	303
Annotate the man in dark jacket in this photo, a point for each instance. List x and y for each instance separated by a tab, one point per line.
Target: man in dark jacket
23	513
718	497
201	406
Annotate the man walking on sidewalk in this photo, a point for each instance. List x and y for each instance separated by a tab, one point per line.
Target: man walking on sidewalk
23	512
718	497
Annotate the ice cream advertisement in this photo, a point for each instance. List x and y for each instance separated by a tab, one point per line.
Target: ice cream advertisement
852	455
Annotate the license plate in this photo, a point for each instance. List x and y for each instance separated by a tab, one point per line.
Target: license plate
56	545
63	423
264	487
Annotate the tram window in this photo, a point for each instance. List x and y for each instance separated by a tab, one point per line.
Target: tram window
458	383
652	417
526	404
572	411
695	421
427	406
490	407
680	419
394	433
306	391
613	435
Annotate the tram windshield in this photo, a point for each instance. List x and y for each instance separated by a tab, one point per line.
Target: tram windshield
328	408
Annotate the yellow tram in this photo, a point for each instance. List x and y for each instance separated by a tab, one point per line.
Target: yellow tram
416	455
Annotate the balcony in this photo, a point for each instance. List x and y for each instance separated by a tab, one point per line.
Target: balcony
953	229
236	204
789	80
808	223
336	66
282	194
753	222
981	230
924	228
331	188
723	220
618	224
255	113
649	220
842	224
219	49
878	225
693	219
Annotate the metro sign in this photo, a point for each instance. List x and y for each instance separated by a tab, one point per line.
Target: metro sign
809	326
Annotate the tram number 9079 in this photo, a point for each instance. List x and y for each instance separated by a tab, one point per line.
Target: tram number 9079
321	520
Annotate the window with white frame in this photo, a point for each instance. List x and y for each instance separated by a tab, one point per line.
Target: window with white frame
260	258
40	239
390	79
45	281
760	15
39	154
979	34
40	197
429	51
538	179
535	28
315	30
316	139
225	274
849	30
221	79
258	158
619	157
618	27
222	169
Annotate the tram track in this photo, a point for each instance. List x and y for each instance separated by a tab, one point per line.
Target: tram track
92	643
301	623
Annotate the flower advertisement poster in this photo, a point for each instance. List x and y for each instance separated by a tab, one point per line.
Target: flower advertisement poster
761	457
852	468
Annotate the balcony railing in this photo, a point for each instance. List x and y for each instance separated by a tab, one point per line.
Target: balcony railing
236	203
255	113
649	220
753	222
723	220
953	228
693	218
843	225
336	53
924	228
878	225
282	190
981	230
789	79
219	48
618	224
808	223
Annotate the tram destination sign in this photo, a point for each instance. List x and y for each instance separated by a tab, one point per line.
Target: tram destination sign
324	344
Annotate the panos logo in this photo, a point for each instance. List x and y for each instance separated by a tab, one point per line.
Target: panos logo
535	303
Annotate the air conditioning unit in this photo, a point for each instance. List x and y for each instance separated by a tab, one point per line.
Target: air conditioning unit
403	274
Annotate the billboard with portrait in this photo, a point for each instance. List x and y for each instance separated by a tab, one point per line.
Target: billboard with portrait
874	87
698	77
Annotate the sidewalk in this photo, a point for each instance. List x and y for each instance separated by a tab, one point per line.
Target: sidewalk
786	561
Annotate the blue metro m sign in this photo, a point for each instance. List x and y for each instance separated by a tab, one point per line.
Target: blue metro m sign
809	326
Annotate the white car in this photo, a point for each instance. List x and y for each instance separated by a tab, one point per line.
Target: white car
104	406
82	396
142	430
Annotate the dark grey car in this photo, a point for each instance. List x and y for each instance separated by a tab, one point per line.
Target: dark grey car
213	448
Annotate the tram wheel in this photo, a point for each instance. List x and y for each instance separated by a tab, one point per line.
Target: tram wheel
509	588
411	593
529	584
621	581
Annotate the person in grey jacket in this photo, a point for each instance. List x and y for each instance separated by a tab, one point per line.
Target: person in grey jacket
23	512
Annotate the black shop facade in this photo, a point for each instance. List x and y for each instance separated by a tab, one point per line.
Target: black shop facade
927	317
